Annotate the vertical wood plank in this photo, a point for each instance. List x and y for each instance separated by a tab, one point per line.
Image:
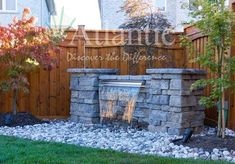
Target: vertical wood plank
44	98
34	94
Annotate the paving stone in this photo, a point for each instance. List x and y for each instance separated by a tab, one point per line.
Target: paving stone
176	92
155	91
155	84
179	84
143	105
154	129
91	101
160	100
156	107
141	113
74	83
182	101
74	97
180	117
88	95
87	88
88	81
175	109
158	115
165	84
157	76
84	110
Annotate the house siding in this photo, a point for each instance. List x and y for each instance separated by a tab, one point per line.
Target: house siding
112	19
35	5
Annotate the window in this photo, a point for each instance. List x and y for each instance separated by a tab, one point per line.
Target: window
160	5
8	5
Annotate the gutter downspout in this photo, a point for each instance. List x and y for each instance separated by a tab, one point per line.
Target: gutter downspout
101	13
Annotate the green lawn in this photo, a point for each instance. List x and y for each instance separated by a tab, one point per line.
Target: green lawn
13	150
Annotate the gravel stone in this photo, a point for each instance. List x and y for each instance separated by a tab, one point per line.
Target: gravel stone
117	138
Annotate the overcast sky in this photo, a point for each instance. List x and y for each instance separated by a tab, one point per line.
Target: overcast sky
86	12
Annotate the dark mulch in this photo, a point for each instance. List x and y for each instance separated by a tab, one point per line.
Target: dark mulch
209	142
20	119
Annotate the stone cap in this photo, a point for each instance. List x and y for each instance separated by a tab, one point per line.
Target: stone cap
125	77
176	71
92	71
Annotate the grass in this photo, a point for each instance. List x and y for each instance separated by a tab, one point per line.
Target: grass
14	150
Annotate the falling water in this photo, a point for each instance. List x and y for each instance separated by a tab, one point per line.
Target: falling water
127	116
112	94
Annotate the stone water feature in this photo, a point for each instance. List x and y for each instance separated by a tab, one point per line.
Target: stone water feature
118	99
160	101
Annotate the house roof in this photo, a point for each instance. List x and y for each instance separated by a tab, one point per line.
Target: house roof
51	7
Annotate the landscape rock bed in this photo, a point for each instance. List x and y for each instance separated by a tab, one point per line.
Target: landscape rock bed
117	138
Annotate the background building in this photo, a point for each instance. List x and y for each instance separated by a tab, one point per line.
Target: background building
42	9
112	18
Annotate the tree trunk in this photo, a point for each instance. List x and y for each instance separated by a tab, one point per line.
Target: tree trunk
14	102
219	120
220	106
223	97
223	115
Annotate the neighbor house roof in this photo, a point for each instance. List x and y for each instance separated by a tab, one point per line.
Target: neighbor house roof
51	7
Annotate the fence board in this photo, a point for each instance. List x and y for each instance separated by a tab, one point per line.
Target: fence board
34	93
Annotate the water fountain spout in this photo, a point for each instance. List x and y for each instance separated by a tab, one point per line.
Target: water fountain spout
116	92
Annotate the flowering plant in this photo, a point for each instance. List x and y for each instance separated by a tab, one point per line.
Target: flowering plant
24	46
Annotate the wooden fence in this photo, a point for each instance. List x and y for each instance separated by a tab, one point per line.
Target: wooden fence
49	95
198	43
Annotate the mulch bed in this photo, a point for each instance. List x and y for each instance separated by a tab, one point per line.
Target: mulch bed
20	119
209	142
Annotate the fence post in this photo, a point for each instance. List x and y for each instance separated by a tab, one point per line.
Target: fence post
81	36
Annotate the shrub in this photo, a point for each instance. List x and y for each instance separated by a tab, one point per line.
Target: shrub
23	47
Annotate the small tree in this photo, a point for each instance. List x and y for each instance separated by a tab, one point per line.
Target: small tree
23	47
143	16
216	21
136	8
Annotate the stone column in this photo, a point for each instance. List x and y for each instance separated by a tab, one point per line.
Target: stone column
174	107
84	86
